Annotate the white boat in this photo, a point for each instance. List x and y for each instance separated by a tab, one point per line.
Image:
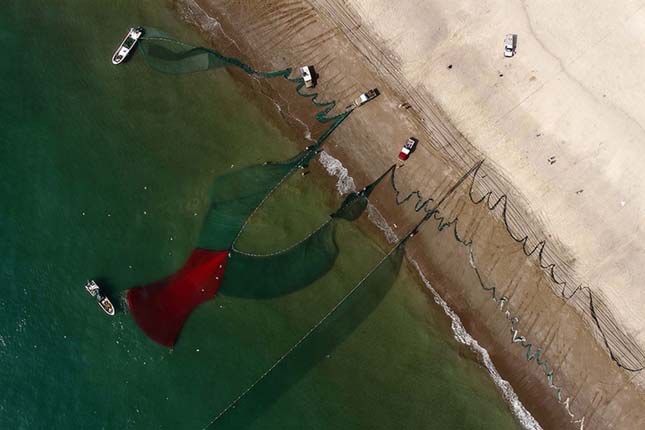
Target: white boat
93	289
106	305
510	45
127	45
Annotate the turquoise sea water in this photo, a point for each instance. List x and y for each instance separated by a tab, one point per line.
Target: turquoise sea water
104	173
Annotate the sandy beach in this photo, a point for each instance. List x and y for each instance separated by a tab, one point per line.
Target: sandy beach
545	267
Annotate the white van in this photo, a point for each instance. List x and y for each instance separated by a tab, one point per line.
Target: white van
510	44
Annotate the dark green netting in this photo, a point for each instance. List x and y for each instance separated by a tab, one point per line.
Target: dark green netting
169	55
282	272
236	195
261	277
315	344
355	203
352	208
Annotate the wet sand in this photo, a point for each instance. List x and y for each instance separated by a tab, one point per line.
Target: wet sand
582	336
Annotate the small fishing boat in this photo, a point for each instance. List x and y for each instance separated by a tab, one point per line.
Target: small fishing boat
93	289
127	45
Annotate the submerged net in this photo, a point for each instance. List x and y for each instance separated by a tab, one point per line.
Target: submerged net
280	273
236	195
286	271
161	308
166	54
320	340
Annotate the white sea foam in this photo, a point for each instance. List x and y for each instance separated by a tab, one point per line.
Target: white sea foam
334	167
377	218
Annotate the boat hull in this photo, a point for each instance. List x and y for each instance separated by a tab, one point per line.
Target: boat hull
123	51
107	306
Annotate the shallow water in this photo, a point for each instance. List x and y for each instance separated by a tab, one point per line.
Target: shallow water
105	173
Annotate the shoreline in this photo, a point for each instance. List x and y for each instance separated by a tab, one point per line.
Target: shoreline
535	391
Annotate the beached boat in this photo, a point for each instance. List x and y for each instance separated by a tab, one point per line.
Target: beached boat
93	289
127	45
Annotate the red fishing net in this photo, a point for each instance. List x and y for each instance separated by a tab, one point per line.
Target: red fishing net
161	308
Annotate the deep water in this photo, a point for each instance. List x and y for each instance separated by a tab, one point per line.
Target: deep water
104	174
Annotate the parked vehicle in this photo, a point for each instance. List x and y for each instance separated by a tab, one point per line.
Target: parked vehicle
365	97
408	148
510	44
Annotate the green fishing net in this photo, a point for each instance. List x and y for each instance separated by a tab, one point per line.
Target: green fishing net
236	195
169	55
315	345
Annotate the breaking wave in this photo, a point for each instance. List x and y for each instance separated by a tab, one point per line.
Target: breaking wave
334	167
